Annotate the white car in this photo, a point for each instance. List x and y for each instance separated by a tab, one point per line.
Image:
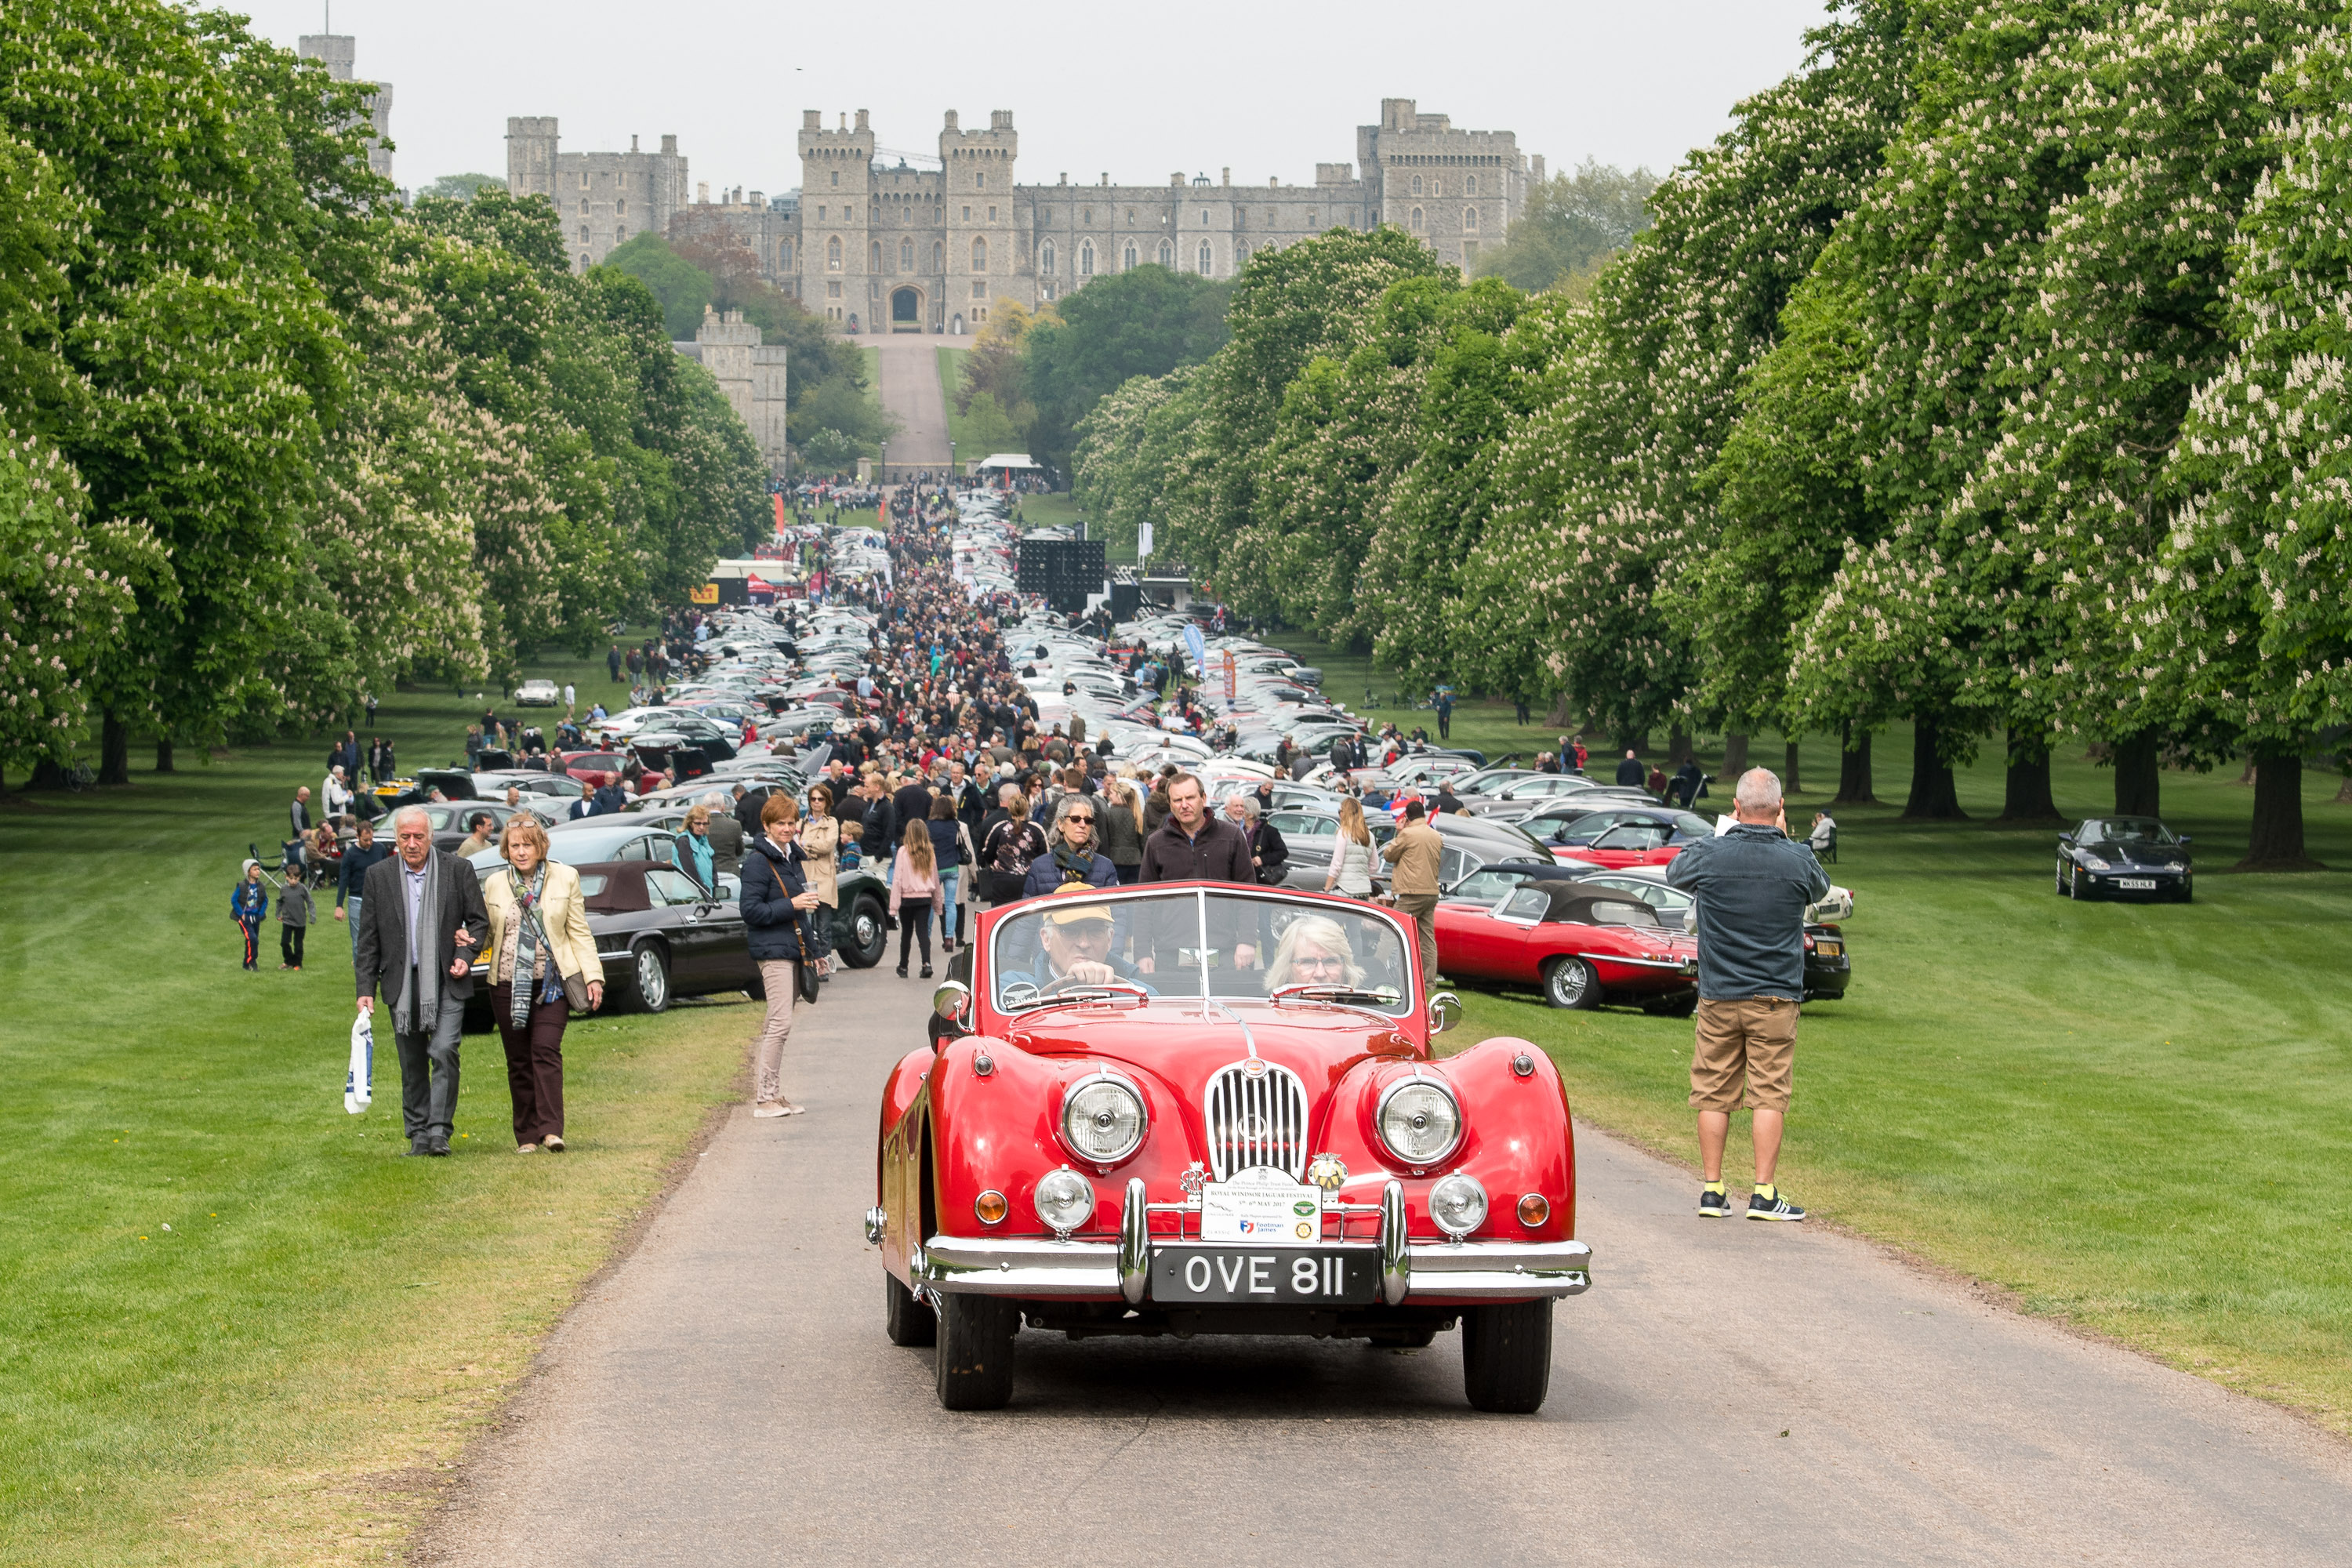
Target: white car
537	694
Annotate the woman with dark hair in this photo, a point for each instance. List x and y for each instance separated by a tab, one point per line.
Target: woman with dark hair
947	854
820	853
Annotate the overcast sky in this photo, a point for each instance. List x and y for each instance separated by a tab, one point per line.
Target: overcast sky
1269	88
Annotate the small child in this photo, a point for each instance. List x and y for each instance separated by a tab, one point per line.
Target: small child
249	906
294	910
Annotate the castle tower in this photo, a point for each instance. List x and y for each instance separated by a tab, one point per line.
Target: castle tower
339	52
1454	190
602	199
838	231
987	251
531	142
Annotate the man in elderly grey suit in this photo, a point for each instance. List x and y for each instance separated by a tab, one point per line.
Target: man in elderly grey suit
421	922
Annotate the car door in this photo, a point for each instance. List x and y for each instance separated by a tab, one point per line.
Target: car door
687	921
1470	941
1513	922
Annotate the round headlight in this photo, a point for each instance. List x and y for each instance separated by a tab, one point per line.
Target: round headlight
1066	1200
1103	1119
1420	1122
1458	1204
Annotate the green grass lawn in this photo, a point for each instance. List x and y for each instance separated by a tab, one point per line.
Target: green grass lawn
239	1327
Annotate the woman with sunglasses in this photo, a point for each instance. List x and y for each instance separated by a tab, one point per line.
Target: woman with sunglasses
1073	860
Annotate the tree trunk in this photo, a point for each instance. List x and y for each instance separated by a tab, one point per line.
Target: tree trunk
1735	755
1934	797
46	774
1854	770
1635	740
2026	797
1790	786
1559	718
1678	746
2344	791
2137	779
162	753
114	750
2275	842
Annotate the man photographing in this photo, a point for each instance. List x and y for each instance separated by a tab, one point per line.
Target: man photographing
1752	884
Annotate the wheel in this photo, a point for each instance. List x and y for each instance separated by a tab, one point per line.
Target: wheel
906	1321
1506	1356
1681	1006
869	933
974	1368
2061	879
1570	982
649	978
2073	881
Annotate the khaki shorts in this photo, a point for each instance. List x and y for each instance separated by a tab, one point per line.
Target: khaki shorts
1753	1039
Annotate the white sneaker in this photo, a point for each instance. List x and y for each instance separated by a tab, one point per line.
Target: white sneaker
767	1108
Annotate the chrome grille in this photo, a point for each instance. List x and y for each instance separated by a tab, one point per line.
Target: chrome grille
1256	1119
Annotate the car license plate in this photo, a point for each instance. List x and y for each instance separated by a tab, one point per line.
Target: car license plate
2138	884
1270	1276
1830	949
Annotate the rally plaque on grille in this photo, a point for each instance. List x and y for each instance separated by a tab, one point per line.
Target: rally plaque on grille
1265	1275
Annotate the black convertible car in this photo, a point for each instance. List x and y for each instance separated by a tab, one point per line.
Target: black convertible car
2124	856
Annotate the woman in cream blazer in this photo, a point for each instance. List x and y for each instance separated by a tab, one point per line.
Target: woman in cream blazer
820	846
535	1045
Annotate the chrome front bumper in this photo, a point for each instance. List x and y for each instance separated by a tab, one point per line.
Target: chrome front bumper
1036	1269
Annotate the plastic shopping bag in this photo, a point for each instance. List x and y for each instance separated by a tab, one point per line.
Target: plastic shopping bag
359	1081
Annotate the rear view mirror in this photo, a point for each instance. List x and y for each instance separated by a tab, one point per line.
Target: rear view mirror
952	1000
1444	1012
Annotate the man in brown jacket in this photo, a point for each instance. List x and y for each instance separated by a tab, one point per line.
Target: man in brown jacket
1193	844
1414	852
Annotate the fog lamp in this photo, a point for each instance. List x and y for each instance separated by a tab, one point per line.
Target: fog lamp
1065	1199
1458	1204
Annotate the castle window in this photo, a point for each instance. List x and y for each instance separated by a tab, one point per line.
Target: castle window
621	207
1087	259
1470	185
979	292
905	256
833	291
874	256
583	260
583	233
1416	220
820	213
784	256
980	255
836	179
1204	217
1469	220
1416	184
1130	266
1045	258
875	215
1167	255
1208	260
1090	215
1271	220
1310	219
1130	216
833	253
967	214
584	179
1436	186
620	234
584	207
939	256
979	181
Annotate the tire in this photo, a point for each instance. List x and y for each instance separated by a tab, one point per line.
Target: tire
906	1321
649	978
2074	882
974	1365
869	933
1569	982
1506	1356
1681	1006
2061	879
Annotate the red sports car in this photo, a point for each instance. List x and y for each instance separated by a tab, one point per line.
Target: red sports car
1582	944
1633	835
1202	1107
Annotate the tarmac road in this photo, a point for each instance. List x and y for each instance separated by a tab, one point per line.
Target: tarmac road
912	394
1726	1394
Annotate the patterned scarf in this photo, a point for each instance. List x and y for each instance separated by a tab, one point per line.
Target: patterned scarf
418	1015
528	940
1075	865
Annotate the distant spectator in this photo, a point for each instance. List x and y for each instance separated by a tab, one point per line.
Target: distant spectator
350	876
1630	772
294	915
298	818
1685	788
1416	852
248	906
695	857
726	835
1824	834
481	833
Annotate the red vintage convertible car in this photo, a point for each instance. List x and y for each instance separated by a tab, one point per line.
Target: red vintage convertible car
1202	1108
1581	943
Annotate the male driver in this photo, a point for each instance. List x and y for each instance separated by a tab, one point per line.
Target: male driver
423	919
1075	941
1416	852
1752	884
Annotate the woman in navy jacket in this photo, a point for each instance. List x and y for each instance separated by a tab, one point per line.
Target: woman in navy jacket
775	899
1073	858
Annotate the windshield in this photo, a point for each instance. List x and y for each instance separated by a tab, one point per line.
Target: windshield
1193	944
2126	830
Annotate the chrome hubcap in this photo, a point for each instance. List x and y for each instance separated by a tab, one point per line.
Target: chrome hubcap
651	982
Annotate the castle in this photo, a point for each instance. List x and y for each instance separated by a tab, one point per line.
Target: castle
904	243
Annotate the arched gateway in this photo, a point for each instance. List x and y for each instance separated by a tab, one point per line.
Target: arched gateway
906	310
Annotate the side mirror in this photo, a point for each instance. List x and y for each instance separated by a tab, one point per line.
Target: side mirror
1690	919
952	999
2184	838
1444	1012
